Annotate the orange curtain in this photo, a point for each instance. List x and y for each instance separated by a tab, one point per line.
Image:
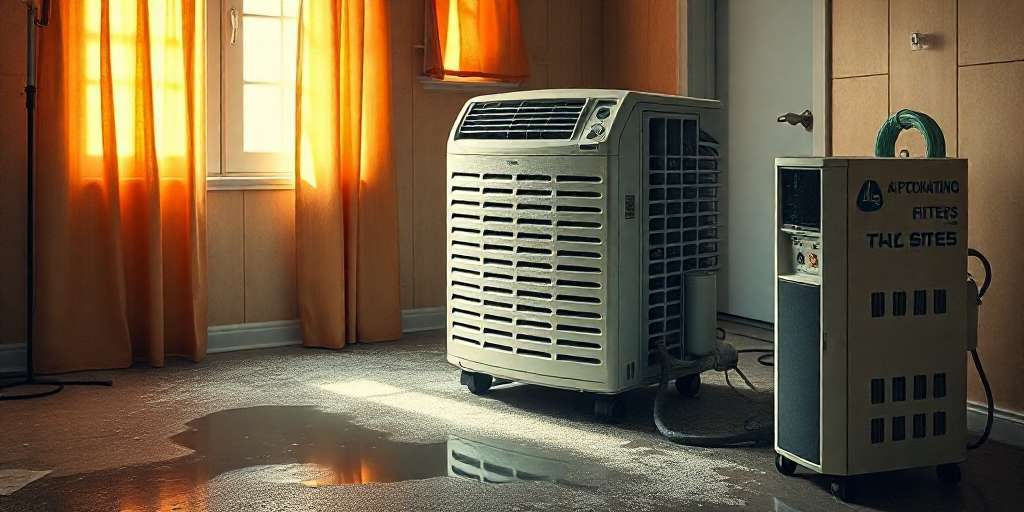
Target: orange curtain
475	38
121	188
346	219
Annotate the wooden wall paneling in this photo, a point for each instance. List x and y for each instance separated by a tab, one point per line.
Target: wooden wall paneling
991	121
592	48
12	39
533	17
435	113
12	208
225	257
406	66
924	80
635	45
270	287
616	39
663	46
860	32
565	42
859	107
990	31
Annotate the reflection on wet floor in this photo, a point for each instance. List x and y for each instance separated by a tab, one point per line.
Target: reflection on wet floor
296	445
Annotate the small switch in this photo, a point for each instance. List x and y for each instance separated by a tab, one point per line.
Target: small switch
603	112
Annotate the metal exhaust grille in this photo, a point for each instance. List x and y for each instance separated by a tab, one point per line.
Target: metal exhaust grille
681	169
527	263
526	119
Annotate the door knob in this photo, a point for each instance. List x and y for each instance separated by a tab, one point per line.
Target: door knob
804	118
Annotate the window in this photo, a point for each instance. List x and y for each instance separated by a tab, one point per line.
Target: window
168	83
474	41
258	54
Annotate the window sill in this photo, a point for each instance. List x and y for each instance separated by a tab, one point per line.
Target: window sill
250	183
431	83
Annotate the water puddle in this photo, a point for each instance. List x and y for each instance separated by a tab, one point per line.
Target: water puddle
302	446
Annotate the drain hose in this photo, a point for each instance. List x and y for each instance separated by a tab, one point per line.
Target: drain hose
726	358
885	141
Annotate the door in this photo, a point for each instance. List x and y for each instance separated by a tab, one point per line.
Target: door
770	61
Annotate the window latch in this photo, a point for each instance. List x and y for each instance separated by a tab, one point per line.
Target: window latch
234	26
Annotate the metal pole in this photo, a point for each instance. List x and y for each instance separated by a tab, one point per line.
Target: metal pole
30	215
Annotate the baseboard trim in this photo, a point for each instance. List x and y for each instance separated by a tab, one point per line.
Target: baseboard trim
251	336
1007	426
12	358
423	319
230	338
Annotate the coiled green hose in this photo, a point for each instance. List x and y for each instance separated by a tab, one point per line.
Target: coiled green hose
885	141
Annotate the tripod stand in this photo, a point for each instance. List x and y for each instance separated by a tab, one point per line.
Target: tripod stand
36	18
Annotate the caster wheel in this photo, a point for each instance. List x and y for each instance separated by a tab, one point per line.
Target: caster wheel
689	385
478	383
949	474
842	488
784	465
608	409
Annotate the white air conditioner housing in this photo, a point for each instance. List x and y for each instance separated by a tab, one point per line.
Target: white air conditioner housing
574	218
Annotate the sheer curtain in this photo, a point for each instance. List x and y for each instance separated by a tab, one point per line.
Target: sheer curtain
121	215
475	39
345	199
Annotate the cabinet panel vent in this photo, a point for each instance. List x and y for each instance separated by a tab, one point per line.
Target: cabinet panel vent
681	173
526	119
527	253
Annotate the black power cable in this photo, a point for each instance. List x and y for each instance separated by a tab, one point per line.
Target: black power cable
991	410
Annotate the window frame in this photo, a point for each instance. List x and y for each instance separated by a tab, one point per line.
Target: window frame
219	174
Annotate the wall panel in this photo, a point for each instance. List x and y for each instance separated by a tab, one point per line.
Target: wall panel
406	63
225	253
992	119
924	80
12	37
270	256
565	44
12	208
860	32
663	47
859	107
990	31
533	17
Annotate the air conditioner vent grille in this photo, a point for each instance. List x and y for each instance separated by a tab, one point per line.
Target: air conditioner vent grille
681	169
526	119
527	253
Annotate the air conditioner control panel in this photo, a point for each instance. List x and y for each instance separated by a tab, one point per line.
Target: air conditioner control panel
599	121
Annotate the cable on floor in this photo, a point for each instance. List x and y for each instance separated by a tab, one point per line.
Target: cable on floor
749	436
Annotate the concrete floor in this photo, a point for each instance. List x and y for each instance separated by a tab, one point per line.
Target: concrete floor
381	427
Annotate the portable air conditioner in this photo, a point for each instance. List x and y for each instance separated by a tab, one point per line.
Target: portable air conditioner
873	316
576	219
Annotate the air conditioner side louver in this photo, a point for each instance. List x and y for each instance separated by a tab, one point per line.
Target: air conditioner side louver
526	119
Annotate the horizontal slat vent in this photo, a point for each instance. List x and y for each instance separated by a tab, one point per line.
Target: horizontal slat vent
526	254
526	119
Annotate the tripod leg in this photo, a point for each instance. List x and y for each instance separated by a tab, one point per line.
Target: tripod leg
55	382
